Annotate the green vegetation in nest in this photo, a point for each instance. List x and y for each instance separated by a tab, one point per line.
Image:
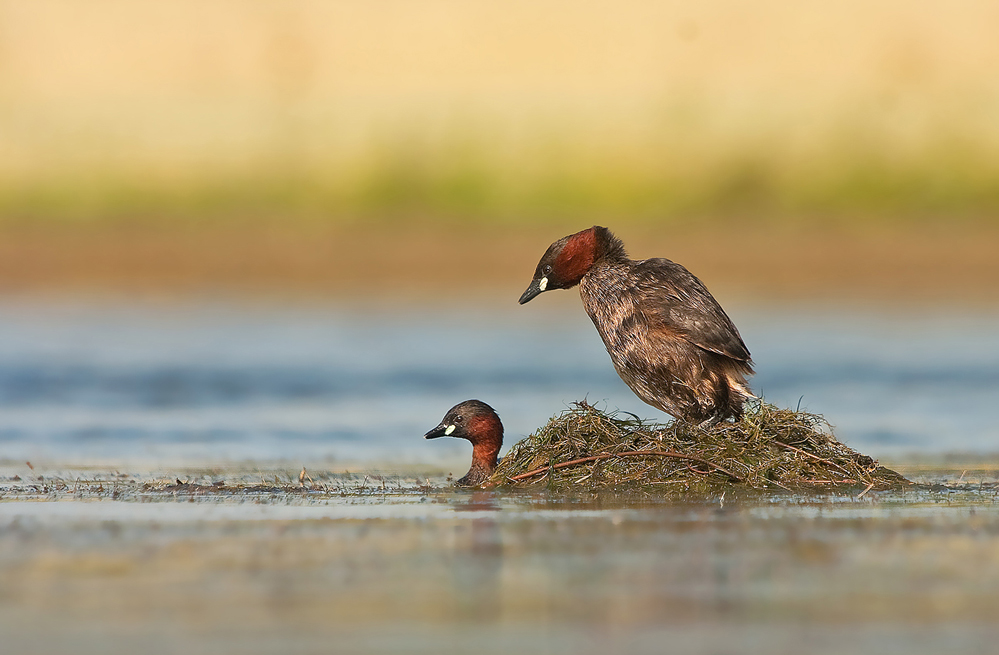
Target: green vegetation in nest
586	449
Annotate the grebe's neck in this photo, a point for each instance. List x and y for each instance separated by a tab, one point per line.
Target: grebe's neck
608	249
485	449
485	455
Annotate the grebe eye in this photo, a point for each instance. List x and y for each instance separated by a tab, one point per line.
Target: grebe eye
546	270
459	419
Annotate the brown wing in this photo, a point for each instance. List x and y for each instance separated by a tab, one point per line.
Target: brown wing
673	296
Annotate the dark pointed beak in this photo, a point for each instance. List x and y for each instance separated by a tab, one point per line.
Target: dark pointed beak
436	432
532	290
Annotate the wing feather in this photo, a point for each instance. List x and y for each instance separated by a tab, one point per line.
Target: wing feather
674	297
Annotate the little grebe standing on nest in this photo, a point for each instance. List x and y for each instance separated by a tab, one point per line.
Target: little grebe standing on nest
667	336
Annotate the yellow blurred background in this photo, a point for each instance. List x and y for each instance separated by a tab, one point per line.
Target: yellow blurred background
211	141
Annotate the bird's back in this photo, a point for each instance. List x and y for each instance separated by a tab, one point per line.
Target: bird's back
668	338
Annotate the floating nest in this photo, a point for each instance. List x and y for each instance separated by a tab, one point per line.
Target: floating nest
584	449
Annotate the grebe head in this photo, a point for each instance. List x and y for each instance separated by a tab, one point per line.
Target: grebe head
570	258
477	422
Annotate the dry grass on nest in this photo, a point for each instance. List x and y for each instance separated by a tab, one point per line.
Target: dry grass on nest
584	448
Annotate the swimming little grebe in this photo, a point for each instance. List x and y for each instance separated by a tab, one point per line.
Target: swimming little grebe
477	422
667	336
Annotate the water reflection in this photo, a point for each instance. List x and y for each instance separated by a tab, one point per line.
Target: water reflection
757	577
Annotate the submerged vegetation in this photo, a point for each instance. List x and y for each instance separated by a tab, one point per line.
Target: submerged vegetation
584	448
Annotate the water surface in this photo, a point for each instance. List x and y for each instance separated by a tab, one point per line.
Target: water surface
488	572
222	381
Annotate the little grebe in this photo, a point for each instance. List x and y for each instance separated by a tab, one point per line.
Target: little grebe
667	336
477	422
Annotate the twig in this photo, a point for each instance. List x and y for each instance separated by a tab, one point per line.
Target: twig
303	476
779	485
861	494
630	453
808	454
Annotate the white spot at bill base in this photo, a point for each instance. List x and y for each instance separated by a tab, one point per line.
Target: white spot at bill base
543	284
450	429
